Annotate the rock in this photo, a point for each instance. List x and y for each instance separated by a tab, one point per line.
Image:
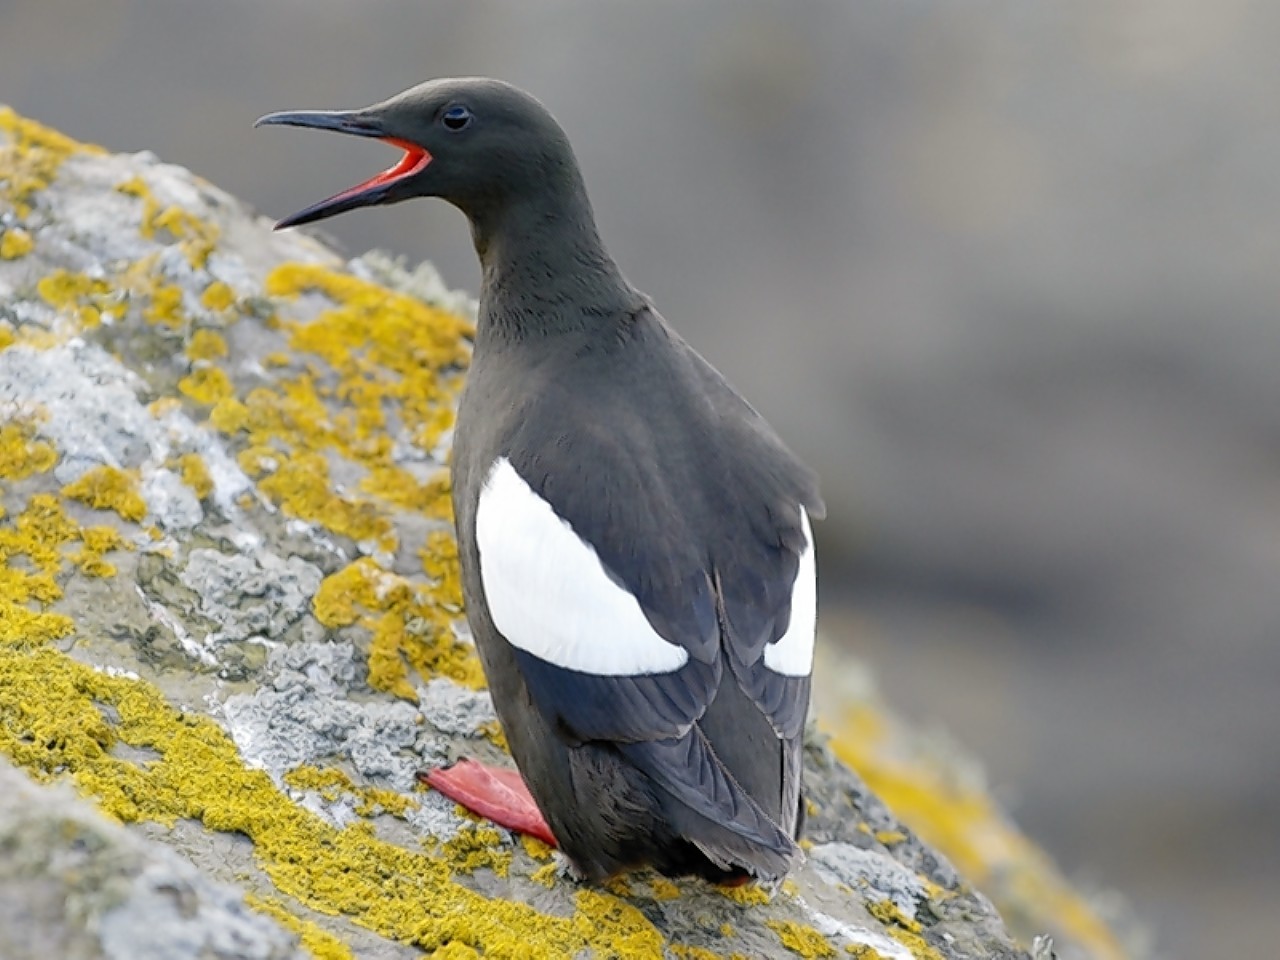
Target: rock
230	616
75	885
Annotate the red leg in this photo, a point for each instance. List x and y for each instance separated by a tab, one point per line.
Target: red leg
494	793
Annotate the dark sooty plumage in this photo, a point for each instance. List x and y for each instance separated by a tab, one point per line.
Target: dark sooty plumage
636	555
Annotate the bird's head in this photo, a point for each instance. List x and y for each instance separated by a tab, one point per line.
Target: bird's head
480	144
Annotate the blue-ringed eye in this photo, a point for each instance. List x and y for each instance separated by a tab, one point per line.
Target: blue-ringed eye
456	117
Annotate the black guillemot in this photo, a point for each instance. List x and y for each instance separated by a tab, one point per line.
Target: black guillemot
637	559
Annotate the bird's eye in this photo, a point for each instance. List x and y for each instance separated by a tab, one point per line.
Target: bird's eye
457	117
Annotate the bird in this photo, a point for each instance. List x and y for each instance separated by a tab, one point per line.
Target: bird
635	541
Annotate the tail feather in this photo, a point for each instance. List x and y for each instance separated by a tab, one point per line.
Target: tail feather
710	809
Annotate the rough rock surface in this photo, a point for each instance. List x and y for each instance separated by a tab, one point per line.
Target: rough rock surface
230	616
75	885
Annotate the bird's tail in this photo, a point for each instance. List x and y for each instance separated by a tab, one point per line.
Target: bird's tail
710	810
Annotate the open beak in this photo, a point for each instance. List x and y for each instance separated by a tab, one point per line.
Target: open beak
373	191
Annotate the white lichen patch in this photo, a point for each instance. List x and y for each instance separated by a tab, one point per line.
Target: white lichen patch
257	594
436	817
84	402
91	408
229	481
304	716
868	870
854	935
171	502
457	710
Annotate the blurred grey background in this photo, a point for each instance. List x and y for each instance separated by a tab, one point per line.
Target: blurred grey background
1007	273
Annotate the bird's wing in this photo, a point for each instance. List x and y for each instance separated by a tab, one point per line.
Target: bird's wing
764	556
625	605
614	621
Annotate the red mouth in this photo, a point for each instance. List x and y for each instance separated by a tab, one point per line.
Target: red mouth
372	191
414	161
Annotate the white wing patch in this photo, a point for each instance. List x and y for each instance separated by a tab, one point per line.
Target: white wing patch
792	653
548	593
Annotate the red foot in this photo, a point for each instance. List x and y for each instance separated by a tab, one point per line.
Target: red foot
494	793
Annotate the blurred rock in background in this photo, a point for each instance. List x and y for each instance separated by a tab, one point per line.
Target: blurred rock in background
1005	273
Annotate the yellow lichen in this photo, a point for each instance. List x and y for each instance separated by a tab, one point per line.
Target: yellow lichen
229	416
15	243
454	950
96	541
535	848
546	875
332	783
492	731
681	952
195	474
165	308
862	951
388	349
800	939
409	624
476	848
7	338
300	485
206	344
398	486
663	889
318	942
218	296
255	461
82	296
38	533
748	895
163	406
134	187
31	158
903	929
376	800
631	935
964	823
107	488
31	555
52	724
887	912
891	838
439	556
20	454
196	237
206	385
375	357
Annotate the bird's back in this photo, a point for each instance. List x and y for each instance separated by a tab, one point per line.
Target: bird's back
625	428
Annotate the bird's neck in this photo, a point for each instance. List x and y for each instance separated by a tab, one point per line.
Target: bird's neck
545	271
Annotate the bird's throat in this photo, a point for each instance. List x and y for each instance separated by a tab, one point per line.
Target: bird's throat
545	271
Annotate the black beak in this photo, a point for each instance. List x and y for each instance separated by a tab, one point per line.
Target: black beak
373	191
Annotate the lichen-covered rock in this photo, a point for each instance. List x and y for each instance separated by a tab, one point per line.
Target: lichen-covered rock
229	604
75	885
